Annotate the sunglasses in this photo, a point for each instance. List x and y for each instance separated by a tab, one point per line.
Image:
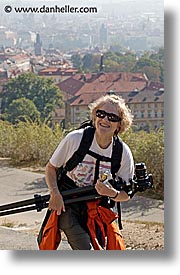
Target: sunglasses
111	117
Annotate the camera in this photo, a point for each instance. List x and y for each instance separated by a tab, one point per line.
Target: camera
140	182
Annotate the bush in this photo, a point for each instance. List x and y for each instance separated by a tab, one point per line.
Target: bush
33	142
149	148
6	139
28	141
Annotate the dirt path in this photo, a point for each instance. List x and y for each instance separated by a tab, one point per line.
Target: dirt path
143	218
137	236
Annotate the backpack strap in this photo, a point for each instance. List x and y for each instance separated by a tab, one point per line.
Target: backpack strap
115	159
116	155
83	149
115	165
98	159
86	123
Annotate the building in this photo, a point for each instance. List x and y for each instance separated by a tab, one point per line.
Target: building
14	63
145	98
103	35
147	106
56	73
38	45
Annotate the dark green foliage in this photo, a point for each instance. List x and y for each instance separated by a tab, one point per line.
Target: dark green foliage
115	61
21	109
41	91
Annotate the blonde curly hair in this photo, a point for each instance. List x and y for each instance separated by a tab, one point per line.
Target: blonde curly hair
122	108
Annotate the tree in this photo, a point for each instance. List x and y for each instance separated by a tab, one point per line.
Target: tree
152	65
159	56
116	61
21	109
76	60
111	66
87	61
43	92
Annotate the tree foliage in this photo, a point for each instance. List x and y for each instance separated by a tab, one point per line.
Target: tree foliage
76	59
21	109
152	64
41	91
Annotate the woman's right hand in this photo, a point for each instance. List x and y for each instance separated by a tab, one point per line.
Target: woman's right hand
56	202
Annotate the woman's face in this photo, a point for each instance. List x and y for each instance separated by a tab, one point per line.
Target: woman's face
105	127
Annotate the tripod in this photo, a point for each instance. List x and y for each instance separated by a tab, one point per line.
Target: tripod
39	202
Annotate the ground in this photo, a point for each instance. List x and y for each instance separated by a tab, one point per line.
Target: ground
142	218
137	236
143	236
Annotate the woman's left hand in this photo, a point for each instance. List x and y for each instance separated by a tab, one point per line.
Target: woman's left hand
105	189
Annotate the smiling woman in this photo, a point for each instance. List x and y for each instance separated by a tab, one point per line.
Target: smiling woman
119	109
110	116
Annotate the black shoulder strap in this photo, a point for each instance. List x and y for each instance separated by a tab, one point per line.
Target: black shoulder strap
84	146
115	165
86	123
115	158
116	155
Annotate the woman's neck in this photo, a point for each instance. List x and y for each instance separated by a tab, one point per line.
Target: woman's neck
103	142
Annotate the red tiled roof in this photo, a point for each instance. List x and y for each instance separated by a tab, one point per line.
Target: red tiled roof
88	87
49	69
129	97
155	85
19	57
71	70
146	95
118	82
85	99
103	82
70	85
57	71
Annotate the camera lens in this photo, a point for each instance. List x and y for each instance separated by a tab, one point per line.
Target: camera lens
140	170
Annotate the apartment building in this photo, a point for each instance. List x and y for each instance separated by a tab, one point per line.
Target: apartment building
145	98
56	73
147	106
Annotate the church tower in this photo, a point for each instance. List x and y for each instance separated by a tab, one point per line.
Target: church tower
38	45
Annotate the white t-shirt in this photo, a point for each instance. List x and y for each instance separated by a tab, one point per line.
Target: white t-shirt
83	173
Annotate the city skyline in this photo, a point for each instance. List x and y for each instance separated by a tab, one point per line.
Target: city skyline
138	27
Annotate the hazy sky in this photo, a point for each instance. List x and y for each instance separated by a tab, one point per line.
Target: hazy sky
140	3
82	1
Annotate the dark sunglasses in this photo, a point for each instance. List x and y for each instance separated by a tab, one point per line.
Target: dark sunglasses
111	117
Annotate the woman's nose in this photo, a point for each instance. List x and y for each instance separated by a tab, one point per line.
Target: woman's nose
106	118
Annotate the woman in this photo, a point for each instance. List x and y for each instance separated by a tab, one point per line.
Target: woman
110	116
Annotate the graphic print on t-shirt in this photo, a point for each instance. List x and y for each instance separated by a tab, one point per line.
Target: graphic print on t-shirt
83	173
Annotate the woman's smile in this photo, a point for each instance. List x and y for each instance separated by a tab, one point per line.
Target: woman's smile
104	125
